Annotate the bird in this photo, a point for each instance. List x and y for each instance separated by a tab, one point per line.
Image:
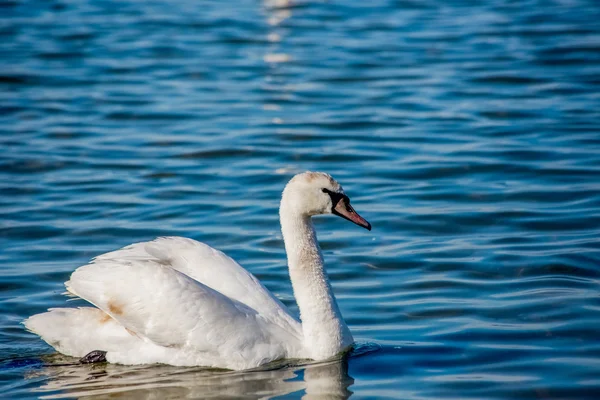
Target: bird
177	301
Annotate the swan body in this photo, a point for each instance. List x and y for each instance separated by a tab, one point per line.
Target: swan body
178	301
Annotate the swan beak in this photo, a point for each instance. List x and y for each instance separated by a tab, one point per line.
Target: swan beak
345	210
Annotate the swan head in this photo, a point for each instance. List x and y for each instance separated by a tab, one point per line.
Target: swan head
315	193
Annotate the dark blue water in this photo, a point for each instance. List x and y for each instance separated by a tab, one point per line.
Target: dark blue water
467	133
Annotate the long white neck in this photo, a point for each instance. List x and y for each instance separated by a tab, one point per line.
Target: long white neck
325	332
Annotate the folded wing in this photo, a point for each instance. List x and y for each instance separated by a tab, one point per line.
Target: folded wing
210	267
185	296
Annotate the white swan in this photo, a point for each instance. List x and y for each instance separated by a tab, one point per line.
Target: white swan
180	302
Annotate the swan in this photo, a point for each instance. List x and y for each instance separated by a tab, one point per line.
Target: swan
177	301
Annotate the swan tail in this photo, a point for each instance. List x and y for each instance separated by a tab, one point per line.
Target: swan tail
78	331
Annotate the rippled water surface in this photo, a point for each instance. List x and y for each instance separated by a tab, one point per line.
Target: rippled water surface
467	133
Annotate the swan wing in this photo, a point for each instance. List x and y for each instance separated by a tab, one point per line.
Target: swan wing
161	305
212	268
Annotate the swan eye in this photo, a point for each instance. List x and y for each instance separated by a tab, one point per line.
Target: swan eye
335	197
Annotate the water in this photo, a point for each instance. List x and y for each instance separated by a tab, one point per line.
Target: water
468	135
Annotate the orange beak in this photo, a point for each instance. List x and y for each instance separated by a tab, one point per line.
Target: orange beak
345	210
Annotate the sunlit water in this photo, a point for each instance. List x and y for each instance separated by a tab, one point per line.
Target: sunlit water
468	135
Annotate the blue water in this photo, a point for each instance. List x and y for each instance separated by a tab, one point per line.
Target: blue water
467	133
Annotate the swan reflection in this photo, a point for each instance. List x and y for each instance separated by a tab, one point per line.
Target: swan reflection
325	380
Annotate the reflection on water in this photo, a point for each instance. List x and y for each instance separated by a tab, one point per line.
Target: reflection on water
327	380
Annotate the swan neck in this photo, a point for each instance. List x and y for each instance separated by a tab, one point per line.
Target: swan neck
325	332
